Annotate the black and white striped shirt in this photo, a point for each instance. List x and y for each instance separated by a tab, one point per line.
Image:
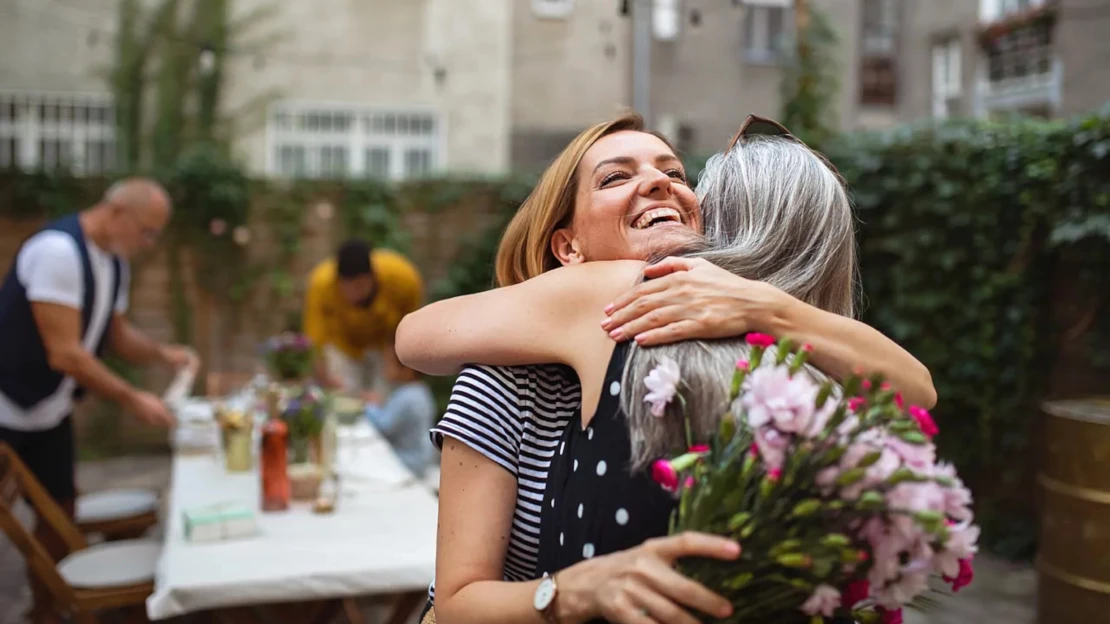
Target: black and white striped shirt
514	415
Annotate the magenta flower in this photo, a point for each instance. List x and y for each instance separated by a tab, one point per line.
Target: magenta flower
855	593
665	475
699	448
756	339
890	616
743	365
688	483
824	600
855	403
924	420
662	383
899	401
963	578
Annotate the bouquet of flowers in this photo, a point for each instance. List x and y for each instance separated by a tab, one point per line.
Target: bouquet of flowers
834	493
304	414
288	356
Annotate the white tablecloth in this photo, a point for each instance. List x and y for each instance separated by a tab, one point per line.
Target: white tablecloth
380	539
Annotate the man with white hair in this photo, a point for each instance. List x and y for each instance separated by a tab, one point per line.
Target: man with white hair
61	304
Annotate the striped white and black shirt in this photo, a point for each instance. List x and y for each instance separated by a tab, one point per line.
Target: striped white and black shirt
514	415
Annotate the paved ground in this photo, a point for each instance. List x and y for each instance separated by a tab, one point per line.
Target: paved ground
1002	592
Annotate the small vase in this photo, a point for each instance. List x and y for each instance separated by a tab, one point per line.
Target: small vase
237	450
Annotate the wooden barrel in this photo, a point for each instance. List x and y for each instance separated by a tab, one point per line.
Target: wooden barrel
1074	558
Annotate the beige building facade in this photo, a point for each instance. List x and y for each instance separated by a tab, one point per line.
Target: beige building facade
375	88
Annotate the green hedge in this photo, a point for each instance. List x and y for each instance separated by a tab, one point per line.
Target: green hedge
961	229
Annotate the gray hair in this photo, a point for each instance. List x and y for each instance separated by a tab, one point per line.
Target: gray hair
773	211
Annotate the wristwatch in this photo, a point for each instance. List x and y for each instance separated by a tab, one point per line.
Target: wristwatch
544	598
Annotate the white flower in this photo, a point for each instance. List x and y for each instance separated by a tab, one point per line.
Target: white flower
662	383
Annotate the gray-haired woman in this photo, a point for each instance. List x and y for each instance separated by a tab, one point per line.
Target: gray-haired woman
763	189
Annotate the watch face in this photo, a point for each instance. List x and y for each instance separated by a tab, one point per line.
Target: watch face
545	593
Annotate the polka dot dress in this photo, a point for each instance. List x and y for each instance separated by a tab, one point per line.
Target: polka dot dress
592	505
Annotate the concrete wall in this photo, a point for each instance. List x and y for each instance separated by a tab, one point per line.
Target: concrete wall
1083	47
924	25
704	80
47	47
567	73
383	53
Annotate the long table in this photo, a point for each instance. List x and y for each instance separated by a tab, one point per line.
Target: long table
380	540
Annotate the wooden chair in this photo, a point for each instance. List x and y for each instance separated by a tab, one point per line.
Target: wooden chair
117	514
112	575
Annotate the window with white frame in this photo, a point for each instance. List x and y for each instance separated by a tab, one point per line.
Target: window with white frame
947	59
320	141
55	131
767	26
992	10
552	8
665	19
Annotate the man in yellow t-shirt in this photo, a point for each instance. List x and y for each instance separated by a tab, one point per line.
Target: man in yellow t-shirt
353	305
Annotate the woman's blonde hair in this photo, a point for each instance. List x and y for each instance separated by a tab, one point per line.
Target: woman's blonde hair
525	249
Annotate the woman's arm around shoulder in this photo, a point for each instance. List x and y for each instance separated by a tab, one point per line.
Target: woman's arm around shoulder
534	322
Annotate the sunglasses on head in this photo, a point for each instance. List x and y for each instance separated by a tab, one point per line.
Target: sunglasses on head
755	125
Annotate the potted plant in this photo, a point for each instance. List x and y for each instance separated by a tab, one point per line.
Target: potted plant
288	356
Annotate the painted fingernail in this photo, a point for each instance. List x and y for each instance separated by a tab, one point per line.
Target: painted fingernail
608	308
606	323
616	333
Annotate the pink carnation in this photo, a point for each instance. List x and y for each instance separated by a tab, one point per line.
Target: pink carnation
777	399
662	383
924	420
957	498
756	339
743	365
824	600
920	457
916	497
665	475
772	446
